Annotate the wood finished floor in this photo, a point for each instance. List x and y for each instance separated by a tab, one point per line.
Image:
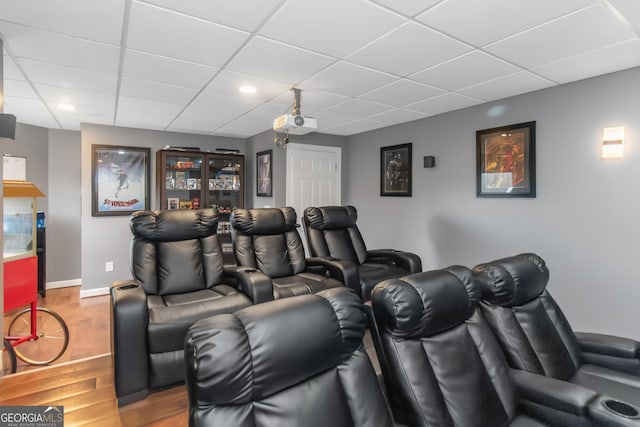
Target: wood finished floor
82	379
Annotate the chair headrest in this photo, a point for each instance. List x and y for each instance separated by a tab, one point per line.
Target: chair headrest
174	225
260	350
330	217
423	304
264	220
512	281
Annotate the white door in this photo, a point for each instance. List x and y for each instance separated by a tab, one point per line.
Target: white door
313	178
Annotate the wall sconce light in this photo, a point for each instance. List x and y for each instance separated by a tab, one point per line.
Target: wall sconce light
613	143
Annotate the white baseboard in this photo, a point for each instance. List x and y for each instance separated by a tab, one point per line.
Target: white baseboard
64	283
86	293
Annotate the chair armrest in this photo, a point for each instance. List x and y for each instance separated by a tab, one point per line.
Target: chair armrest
617	353
339	269
552	393
254	283
129	320
609	345
407	260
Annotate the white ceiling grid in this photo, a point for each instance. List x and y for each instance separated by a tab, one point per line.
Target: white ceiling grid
361	64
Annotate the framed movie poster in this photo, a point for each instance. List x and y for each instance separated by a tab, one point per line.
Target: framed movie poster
506	161
395	170
264	174
120	179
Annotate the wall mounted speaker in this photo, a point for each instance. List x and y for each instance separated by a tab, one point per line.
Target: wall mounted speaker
429	161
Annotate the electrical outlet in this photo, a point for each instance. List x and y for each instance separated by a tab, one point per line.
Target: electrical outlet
108	266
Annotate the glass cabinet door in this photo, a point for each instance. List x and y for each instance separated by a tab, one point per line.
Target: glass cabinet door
225	182
225	191
183	181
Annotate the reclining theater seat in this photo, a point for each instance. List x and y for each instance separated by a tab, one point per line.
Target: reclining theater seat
332	232
176	264
267	240
447	369
536	337
293	362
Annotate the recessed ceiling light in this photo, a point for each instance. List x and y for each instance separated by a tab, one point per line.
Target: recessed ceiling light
67	107
247	89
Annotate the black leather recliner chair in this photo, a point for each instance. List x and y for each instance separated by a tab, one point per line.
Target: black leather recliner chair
536	337
446	367
267	241
332	232
176	265
293	362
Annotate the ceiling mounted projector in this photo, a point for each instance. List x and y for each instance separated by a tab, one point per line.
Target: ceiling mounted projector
295	123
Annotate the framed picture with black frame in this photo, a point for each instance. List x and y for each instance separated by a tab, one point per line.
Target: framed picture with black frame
264	173
395	170
119	179
506	161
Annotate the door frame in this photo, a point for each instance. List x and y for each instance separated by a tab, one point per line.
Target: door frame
292	148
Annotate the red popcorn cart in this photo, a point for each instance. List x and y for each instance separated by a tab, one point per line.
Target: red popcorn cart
36	335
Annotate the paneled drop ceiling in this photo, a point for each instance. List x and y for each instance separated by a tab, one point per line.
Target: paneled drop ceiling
361	64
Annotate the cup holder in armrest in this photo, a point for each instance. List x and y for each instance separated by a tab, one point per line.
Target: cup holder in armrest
621	408
125	287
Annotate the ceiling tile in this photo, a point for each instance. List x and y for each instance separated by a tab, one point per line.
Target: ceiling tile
408	7
348	79
391	53
45	46
444	103
244	14
310	101
252	123
142	120
11	70
357	109
167	33
593	63
277	61
357	126
630	10
54	95
455	74
30	111
332	27
218	108
75	78
507	86
328	120
154	91
228	82
161	69
486	21
19	89
96	20
170	111
84	114
401	92
398	115
541	45
194	124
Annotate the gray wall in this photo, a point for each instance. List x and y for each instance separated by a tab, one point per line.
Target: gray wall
107	238
583	222
264	141
63	217
32	142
